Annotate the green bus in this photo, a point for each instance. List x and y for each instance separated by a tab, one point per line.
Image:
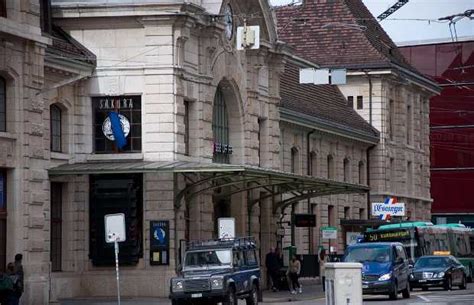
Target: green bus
424	238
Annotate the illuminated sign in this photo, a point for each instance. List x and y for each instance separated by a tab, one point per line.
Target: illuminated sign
441	253
304	220
386	236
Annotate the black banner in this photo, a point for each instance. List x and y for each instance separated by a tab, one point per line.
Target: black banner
304	220
159	242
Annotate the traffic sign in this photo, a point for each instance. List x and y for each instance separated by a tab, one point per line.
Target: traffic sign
329	232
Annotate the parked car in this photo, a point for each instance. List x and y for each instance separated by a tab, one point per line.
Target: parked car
438	271
385	268
217	271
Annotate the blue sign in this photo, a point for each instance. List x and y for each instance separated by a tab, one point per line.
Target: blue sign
159	242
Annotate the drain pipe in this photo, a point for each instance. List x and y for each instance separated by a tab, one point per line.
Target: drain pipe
370	148
309	169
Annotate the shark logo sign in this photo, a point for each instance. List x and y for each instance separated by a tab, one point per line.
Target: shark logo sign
387	209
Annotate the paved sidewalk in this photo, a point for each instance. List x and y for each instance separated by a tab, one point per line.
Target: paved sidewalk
311	290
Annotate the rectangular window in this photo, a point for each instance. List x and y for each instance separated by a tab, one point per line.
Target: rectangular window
391	115
347	213
129	110
186	128
55	125
362	214
3	8
56	225
331	216
110	194
350	101
45	16
392	174
3	219
251	257
409	125
409	177
360	102
3	104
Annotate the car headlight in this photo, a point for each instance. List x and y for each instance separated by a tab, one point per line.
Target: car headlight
177	285
440	275
217	283
385	277
411	276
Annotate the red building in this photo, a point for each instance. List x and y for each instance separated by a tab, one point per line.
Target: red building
452	126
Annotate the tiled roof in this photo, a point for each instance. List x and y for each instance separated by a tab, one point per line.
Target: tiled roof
337	33
324	102
66	47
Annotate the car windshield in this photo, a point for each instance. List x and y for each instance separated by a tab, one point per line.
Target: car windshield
208	258
432	262
368	254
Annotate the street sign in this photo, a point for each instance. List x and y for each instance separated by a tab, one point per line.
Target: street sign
115	228
305	220
329	232
115	233
385	210
226	228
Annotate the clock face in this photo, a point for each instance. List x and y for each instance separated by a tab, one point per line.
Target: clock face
229	21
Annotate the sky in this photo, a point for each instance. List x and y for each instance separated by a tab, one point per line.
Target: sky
402	31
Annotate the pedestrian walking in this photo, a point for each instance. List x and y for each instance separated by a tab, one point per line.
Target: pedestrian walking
18	271
322	259
273	268
293	273
6	288
13	297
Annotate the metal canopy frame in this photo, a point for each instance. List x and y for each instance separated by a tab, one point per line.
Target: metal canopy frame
207	177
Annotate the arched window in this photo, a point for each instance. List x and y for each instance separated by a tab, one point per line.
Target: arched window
294	160
55	113
220	129
347	170
330	167
313	164
3	105
362	179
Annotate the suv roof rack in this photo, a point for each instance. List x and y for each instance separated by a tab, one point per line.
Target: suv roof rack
239	242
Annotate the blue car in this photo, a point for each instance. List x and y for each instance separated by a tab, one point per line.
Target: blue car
385	268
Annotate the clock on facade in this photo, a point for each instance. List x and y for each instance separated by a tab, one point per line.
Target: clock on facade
229	21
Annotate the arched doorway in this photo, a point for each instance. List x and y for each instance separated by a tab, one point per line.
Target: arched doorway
227	132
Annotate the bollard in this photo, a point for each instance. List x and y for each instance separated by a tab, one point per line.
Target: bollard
343	284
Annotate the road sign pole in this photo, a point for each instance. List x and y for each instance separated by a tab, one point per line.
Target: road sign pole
117	269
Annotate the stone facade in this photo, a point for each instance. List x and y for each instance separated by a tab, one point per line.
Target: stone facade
400	163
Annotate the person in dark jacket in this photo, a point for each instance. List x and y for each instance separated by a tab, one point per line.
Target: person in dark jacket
273	268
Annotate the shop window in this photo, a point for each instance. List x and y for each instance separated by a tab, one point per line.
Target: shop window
56	225
220	129
350	101
117	124
56	121
3	104
110	194
360	102
3	219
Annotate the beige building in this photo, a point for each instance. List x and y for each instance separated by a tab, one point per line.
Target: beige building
149	109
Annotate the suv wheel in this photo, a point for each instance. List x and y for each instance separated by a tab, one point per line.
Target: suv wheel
406	291
231	298
252	299
394	294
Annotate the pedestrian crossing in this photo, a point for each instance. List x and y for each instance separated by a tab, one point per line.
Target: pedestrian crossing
443	299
